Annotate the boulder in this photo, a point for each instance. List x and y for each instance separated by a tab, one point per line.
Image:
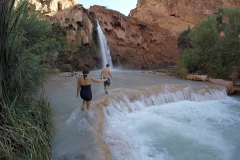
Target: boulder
66	68
197	77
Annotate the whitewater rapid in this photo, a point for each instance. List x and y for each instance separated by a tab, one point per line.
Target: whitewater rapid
166	128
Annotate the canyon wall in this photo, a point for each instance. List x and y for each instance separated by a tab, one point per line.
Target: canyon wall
136	44
177	14
133	44
146	39
79	24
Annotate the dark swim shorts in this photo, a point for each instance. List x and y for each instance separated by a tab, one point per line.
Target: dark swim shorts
107	83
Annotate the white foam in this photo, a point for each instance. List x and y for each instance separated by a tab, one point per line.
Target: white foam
173	126
83	126
73	116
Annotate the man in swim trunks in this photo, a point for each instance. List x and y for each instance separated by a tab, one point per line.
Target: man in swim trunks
106	74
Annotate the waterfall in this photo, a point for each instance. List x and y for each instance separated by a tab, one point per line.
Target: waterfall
104	49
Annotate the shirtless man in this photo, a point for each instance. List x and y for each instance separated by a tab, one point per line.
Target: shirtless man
106	73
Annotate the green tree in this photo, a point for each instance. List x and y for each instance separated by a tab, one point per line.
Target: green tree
215	44
204	38
232	41
187	59
219	13
184	40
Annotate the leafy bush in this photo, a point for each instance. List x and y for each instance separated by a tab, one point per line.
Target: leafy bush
188	60
26	123
180	70
204	38
184	40
215	44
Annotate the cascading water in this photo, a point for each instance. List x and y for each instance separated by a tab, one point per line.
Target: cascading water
175	121
104	49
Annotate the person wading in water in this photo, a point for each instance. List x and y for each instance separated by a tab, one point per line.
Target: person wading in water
85	83
106	73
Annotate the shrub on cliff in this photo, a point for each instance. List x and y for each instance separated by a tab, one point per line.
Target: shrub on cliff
180	70
184	40
188	59
26	124
215	44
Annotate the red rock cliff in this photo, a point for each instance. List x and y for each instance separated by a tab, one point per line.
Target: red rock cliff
137	44
81	35
177	14
50	7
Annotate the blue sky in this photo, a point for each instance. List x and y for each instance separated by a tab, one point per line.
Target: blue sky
123	6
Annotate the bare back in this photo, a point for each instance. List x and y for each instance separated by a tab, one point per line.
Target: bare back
87	81
82	82
106	72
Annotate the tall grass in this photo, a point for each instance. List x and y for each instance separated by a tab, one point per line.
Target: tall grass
26	124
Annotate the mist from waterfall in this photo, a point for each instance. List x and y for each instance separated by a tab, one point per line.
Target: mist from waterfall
104	49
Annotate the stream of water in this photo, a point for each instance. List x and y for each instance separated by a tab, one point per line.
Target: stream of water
104	49
145	117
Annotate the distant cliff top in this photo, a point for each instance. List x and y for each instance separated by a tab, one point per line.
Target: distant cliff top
177	14
50	7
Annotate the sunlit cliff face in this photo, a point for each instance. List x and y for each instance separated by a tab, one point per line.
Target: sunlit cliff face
137	44
50	7
177	14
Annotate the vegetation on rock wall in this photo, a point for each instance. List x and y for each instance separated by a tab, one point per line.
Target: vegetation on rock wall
183	39
71	52
215	45
26	123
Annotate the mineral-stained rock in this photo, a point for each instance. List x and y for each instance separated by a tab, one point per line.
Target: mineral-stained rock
50	7
80	26
136	44
66	68
76	20
197	77
177	14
